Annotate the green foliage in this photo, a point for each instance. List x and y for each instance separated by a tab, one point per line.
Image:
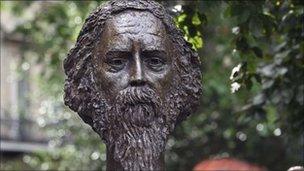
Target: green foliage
261	123
191	22
269	42
266	118
52	30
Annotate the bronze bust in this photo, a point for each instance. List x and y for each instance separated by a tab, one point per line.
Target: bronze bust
132	77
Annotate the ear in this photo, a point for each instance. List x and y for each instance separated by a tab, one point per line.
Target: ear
78	99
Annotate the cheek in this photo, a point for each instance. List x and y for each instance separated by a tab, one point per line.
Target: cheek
162	81
116	81
110	83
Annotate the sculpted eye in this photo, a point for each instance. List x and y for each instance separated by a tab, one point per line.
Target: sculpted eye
116	64
155	63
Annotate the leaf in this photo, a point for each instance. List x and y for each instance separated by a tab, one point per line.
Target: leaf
256	27
259	99
227	12
282	71
196	41
269	24
240	11
300	95
258	78
203	18
181	18
248	83
196	20
257	51
267	71
241	44
287	95
267	83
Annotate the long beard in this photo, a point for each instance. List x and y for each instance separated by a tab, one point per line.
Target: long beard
137	106
137	129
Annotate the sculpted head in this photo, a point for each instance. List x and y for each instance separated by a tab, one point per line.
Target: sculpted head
132	77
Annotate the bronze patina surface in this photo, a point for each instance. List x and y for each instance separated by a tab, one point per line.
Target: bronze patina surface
133	78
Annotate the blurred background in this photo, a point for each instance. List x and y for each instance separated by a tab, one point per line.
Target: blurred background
252	110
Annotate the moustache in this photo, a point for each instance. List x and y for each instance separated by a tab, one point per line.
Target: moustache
138	95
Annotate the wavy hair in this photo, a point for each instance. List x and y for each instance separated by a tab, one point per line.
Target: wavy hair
80	87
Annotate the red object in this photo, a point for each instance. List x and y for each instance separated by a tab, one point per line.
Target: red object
226	164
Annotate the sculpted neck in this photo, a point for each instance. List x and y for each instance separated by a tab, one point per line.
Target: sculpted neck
113	165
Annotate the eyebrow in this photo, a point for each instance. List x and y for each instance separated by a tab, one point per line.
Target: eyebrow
155	51
143	51
134	32
117	52
153	48
119	48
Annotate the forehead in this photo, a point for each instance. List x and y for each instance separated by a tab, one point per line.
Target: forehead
136	22
124	28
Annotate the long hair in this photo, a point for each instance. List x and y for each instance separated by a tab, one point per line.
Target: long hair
80	86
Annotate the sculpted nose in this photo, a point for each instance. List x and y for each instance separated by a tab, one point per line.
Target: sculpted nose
137	74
